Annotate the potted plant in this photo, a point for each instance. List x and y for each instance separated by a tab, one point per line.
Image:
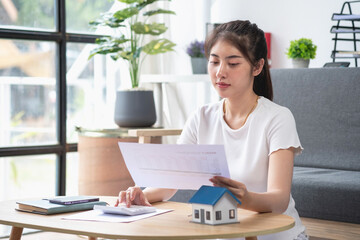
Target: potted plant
196	52
134	107
301	51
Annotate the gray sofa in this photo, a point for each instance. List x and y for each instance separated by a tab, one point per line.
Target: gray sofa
326	105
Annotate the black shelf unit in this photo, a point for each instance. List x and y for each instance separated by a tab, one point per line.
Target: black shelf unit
347	24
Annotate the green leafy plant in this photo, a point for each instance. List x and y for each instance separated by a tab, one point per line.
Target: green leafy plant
130	44
302	48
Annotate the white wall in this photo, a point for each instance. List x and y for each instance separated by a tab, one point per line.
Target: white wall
286	20
186	26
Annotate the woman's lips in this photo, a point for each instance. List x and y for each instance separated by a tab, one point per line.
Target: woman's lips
222	85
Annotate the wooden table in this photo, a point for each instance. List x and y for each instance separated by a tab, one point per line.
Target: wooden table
174	225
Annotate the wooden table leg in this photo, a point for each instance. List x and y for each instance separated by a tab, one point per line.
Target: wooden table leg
251	238
144	139
16	233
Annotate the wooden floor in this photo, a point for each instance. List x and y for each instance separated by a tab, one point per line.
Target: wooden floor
316	229
324	229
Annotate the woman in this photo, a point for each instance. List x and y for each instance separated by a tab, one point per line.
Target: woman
259	136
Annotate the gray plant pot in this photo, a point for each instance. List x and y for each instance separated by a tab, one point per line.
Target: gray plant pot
300	63
135	108
199	65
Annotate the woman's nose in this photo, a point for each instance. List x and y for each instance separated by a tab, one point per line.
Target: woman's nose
220	73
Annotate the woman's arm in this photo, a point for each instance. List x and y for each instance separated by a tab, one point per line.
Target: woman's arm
276	199
135	196
159	194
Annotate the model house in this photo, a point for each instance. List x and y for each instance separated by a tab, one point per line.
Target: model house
214	205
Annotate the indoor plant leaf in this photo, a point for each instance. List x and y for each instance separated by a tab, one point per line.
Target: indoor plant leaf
107	19
158	11
302	48
158	46
130	55
126	13
152	28
108	45
144	3
131	49
131	1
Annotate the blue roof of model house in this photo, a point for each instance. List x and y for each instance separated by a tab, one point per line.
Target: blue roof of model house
210	195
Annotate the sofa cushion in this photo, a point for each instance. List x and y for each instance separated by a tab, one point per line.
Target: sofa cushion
318	193
327	194
326	105
183	195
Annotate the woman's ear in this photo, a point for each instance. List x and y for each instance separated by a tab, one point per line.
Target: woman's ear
258	67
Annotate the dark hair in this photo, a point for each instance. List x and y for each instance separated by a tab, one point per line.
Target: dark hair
250	41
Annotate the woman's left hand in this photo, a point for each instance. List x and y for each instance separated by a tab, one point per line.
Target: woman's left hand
237	188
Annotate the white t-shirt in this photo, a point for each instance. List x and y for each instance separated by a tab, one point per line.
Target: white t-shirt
269	127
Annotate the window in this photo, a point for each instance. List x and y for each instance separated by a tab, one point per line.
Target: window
232	213
207	215
218	215
47	85
27	93
29	176
196	214
31	15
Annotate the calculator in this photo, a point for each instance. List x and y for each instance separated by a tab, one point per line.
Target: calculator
123	210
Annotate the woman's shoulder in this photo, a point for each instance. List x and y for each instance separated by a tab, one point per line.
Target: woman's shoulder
210	108
271	109
207	112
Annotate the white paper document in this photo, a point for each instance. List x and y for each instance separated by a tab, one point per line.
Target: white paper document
179	166
100	216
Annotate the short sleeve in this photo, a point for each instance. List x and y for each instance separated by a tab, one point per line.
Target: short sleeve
189	132
282	132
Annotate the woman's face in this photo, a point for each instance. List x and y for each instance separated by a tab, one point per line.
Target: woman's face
231	74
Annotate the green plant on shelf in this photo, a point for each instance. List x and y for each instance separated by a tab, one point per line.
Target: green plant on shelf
302	48
132	25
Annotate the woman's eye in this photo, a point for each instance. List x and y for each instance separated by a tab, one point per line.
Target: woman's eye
233	64
213	62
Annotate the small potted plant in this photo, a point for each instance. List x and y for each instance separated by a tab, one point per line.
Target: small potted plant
133	108
301	51
196	52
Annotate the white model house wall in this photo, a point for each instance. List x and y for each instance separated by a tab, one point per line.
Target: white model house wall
227	206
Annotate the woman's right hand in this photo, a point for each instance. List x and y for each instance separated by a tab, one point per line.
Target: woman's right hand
132	196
